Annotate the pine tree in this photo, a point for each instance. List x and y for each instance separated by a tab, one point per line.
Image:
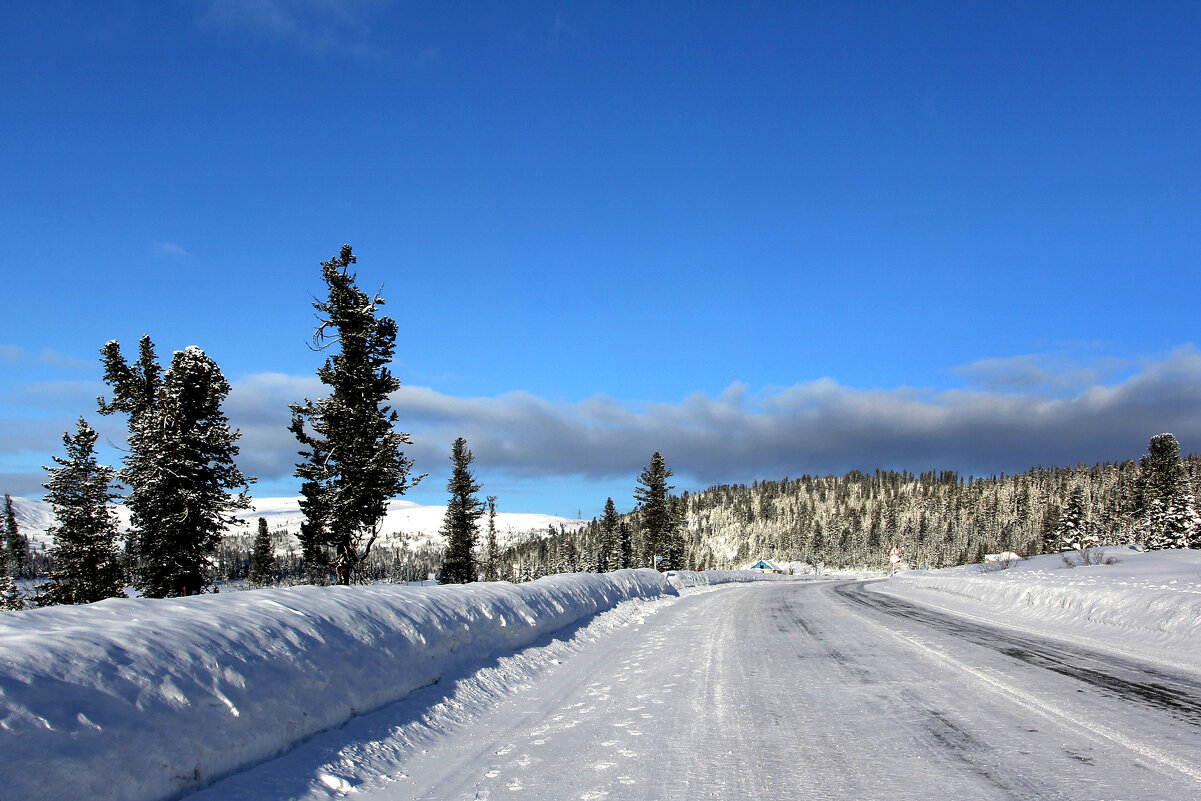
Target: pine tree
353	460
180	470
458	566
262	557
1075	528
1166	503
657	520
673	549
627	546
610	539
136	390
16	546
10	596
492	550
85	558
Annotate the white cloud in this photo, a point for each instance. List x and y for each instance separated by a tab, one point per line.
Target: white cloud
320	25
171	249
1037	371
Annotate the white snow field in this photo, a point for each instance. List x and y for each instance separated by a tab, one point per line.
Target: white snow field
630	685
144	699
1147	605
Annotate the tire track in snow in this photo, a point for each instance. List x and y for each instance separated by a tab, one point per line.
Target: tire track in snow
1017	695
1118	678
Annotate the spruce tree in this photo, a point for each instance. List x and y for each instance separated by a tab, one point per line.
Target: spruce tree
262	556
674	548
85	557
657	518
1166	504
136	391
610	539
16	546
492	550
458	566
1075	528
626	541
180	469
353	462
10	596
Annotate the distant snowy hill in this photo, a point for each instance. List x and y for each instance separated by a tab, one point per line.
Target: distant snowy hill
407	524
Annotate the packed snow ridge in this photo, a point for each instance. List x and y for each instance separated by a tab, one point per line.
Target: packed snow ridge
1145	605
137	699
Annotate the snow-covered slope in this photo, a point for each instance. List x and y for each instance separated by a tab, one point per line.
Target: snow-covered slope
407	523
135	699
1145	605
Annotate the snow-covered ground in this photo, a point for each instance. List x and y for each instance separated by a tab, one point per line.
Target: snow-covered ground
407	523
1147	605
143	699
150	699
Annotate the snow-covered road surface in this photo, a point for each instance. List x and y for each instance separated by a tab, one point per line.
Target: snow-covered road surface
775	691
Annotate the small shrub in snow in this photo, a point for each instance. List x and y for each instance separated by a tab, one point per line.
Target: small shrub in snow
1088	557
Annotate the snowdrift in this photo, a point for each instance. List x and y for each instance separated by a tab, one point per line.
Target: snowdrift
150	699
1147	605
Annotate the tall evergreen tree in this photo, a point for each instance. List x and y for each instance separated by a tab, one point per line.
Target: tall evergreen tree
657	519
85	558
16	546
627	545
1167	507
610	539
492	550
461	514
353	462
262	556
180	469
10	596
1075	527
136	391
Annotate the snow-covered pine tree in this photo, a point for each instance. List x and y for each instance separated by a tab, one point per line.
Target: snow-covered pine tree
180	468
262	556
136	390
673	549
491	549
16	546
85	557
10	596
1166	503
651	495
1075	528
610	539
353	462
458	566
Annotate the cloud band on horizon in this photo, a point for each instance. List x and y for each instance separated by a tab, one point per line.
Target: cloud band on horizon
816	427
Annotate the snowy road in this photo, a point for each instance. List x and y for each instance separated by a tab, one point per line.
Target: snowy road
778	691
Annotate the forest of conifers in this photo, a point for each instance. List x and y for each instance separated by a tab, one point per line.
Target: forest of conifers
936	519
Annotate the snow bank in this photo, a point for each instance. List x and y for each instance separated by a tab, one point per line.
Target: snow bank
1148	605
689	579
149	699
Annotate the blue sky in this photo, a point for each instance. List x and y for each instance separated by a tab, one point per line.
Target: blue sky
764	239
